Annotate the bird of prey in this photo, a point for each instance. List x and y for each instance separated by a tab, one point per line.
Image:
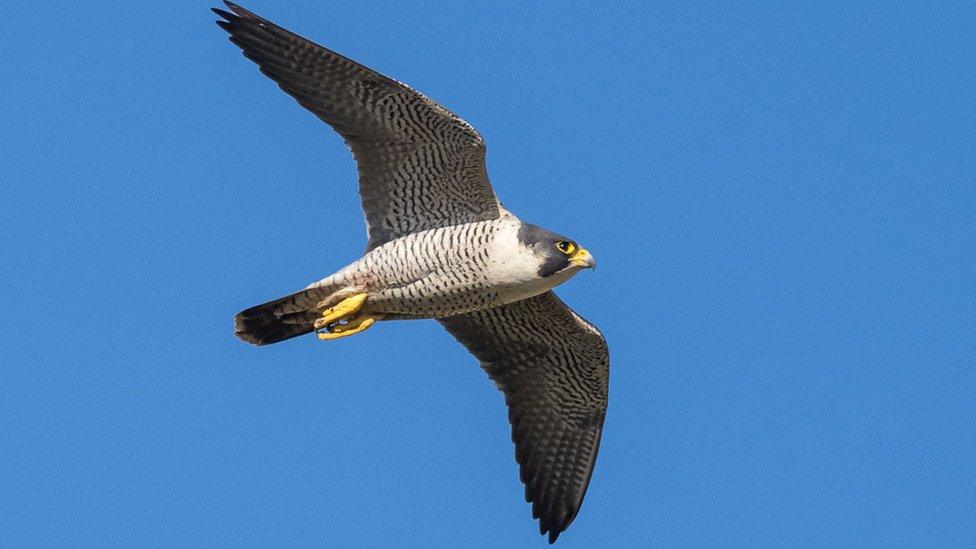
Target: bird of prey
441	246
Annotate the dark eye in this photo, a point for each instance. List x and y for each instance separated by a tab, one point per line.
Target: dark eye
566	247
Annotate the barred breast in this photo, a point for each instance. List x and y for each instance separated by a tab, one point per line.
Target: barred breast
445	271
435	273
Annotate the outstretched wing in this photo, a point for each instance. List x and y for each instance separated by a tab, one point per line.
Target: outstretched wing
420	166
553	367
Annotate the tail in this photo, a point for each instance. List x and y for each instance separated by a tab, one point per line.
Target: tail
281	319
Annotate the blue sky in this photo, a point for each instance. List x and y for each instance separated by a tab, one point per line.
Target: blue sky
781	200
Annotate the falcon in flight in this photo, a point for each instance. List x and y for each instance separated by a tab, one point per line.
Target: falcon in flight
442	246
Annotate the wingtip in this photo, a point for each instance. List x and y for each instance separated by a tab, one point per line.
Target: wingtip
550	529
237	11
241	12
550	523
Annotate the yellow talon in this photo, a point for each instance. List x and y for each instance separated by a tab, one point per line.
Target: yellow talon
344	309
353	327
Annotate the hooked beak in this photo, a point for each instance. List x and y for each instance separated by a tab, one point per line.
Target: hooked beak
583	259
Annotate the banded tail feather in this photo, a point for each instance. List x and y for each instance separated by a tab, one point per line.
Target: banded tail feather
282	318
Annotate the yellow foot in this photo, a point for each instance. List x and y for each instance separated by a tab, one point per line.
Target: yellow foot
352	327
343	320
342	310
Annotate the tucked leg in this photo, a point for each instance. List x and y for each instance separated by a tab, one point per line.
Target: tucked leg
340	311
344	318
354	326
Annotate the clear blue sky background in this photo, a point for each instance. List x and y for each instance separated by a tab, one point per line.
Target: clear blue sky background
782	201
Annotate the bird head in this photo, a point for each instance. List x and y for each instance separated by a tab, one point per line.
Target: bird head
554	252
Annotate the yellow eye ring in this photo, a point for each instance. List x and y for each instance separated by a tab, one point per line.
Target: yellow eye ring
566	247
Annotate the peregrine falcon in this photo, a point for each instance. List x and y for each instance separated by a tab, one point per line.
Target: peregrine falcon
441	246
